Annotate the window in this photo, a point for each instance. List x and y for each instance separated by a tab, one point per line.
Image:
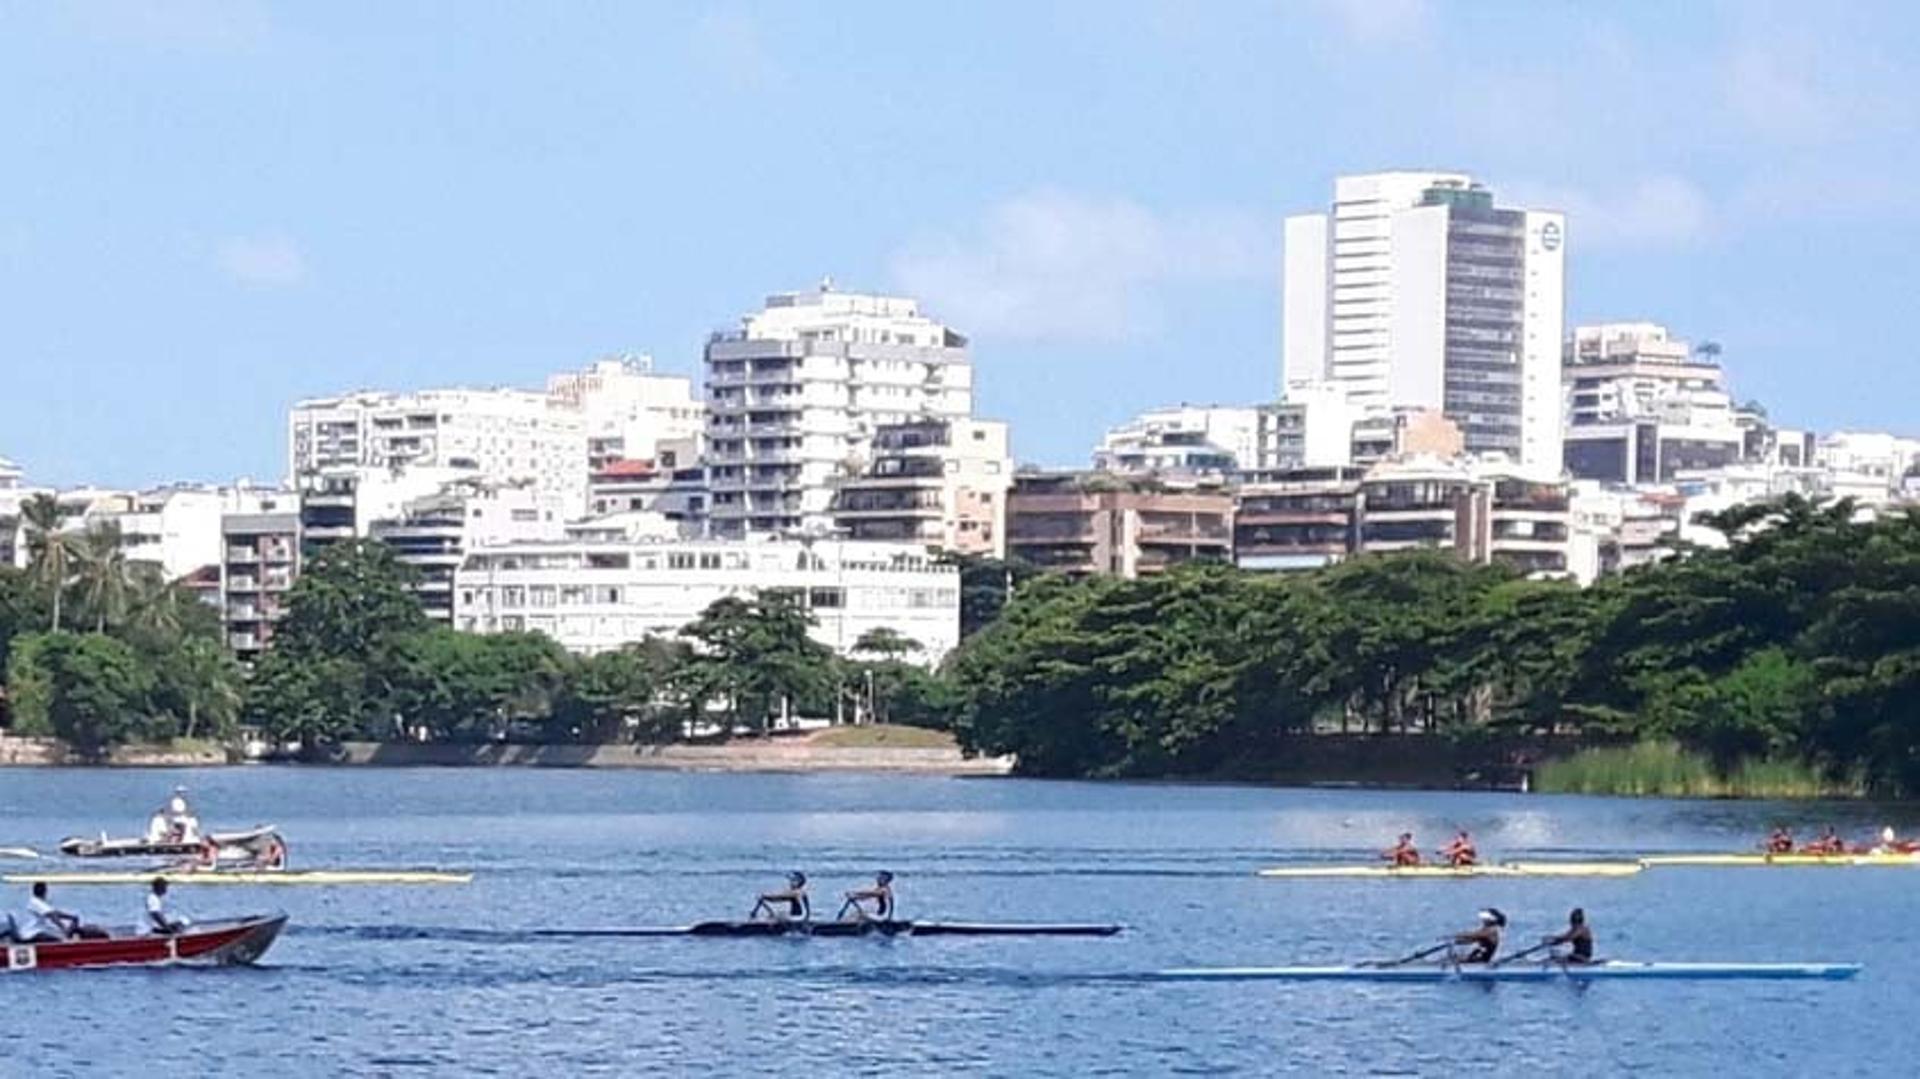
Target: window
544	595
709	560
680	560
827	597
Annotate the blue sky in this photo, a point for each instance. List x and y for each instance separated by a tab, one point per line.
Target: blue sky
209	209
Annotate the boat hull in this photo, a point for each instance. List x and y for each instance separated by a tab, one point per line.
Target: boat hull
82	847
845	929
227	943
1449	872
1783	860
247	877
1527	972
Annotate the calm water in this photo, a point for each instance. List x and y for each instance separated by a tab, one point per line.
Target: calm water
437	980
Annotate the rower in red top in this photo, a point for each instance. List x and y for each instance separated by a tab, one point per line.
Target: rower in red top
1828	843
1402	853
1461	851
1780	842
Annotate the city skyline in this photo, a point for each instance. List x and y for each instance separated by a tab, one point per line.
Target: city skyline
234	223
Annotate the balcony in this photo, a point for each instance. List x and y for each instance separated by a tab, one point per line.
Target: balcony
242	555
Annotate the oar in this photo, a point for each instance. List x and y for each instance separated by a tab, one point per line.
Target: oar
1522	954
18	852
1422	954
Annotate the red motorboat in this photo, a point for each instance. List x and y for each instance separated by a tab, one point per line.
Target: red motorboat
228	942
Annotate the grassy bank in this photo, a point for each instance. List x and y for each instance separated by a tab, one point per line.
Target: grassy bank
881	736
1663	769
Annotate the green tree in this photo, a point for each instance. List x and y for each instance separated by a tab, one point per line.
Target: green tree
758	656
620	694
201	684
50	550
312	700
100	559
86	689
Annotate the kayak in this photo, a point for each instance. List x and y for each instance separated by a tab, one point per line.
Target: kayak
249	876
1523	972
1508	869
221	943
759	928
1782	859
103	847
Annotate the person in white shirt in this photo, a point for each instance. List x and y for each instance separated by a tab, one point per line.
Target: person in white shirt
44	923
183	825
158	920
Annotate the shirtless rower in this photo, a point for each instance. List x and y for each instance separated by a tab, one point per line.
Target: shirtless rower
1403	852
793	897
1578	938
880	895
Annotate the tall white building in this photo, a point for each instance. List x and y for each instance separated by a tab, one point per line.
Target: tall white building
1416	291
794	397
498	435
628	409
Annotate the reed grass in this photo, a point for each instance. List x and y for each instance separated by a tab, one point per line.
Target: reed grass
1667	770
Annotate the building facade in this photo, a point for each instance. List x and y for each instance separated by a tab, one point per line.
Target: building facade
795	396
1644	407
260	558
596	592
434	533
628	410
1416	290
1091	523
939	483
497	435
1199	440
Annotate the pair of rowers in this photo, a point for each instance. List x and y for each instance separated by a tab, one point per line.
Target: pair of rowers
791	903
1459	854
1483	941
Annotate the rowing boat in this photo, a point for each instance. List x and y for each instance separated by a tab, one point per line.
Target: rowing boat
222	943
1885	859
760	928
1508	869
1524	972
248	876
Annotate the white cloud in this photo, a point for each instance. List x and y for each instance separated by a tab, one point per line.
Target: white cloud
269	261
1652	211
1052	265
1374	22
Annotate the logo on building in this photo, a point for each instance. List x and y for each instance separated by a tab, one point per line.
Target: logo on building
1550	236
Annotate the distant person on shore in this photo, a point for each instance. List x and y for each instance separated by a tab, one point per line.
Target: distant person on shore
159	922
1577	936
1461	852
1780	842
1483	941
793	897
1403	852
880	895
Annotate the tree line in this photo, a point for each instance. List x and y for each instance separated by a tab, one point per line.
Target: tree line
1800	640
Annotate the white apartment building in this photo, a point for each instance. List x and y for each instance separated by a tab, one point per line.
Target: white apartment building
498	435
939	483
1311	428
176	529
1870	467
13	492
795	395
1642	407
1416	291
435	532
1184	439
595	593
628	410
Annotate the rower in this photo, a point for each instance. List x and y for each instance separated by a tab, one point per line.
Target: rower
1403	852
182	824
1828	843
794	896
158	920
880	895
1461	851
1485	939
44	922
1578	936
1780	842
1891	843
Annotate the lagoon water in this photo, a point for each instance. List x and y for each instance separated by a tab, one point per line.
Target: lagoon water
442	980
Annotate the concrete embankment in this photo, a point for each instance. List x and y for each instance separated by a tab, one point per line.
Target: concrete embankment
53	753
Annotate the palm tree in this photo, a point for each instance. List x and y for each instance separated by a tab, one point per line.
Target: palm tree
103	573
154	604
209	685
51	550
